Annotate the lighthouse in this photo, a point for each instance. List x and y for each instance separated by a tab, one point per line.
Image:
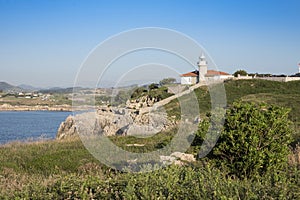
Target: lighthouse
202	64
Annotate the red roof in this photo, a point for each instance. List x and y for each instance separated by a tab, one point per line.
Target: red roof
190	74
215	73
209	73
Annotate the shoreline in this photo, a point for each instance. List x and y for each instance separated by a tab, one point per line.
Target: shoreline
58	108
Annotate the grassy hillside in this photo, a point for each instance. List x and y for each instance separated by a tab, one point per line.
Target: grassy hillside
66	170
271	92
55	99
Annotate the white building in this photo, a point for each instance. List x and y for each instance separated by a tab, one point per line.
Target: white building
203	74
190	78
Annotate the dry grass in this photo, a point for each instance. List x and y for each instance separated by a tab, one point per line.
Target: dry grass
294	156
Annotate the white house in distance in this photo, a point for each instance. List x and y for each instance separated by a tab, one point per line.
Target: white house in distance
202	74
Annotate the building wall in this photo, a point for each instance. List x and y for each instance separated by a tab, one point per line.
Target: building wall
280	79
218	78
202	72
226	76
243	77
292	79
189	80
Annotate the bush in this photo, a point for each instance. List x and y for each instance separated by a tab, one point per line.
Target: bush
167	81
153	86
138	92
240	72
255	139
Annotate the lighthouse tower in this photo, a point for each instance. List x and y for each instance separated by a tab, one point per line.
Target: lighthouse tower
202	64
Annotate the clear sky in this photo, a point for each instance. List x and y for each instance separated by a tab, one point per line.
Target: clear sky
43	43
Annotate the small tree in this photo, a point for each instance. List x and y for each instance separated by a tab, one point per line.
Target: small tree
138	92
153	86
240	72
167	81
255	139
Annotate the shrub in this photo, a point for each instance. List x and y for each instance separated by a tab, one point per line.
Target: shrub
138	92
167	81
255	139
240	72
153	86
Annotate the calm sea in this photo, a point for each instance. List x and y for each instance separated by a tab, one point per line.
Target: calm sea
29	125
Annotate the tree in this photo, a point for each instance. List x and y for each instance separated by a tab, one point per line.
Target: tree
240	72
167	81
153	86
138	92
255	139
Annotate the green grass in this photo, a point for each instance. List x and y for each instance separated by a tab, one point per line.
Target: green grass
45	158
271	92
57	99
149	144
65	170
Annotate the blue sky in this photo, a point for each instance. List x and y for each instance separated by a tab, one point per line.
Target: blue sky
43	43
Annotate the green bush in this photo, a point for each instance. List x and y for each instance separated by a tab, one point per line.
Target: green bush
138	92
240	72
255	139
167	81
153	86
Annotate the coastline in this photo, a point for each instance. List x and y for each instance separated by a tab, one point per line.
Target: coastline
61	108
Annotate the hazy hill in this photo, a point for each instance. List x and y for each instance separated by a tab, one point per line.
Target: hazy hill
60	90
5	87
29	87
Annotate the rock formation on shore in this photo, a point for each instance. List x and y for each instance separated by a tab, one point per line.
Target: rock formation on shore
67	129
115	121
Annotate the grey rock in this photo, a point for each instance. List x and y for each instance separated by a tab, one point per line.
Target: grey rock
115	121
67	129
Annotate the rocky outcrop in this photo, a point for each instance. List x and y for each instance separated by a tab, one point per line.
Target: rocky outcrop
115	121
141	102
67	129
177	158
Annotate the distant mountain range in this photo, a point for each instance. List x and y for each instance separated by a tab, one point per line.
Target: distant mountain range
5	87
60	90
29	87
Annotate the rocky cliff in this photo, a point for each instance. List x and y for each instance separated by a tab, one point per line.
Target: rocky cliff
115	121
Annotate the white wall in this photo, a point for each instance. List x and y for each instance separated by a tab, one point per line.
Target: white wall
280	79
202	72
186	80
226	76
189	80
243	77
